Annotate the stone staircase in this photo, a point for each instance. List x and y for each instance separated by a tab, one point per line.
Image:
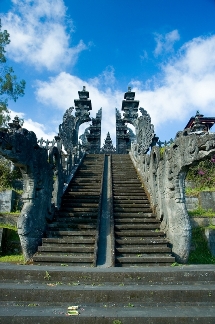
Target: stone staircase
138	239
71	238
149	295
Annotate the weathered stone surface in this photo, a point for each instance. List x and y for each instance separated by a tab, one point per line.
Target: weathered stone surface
68	130
22	149
7	199
94	134
202	221
164	178
210	236
192	202
207	200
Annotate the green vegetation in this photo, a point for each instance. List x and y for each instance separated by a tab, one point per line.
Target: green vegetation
201	254
7	176
11	249
162	150
194	192
202	177
201	212
10	88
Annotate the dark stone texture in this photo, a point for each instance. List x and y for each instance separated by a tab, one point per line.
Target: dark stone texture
164	179
22	149
94	134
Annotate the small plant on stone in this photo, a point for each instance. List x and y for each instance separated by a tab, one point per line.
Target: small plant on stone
47	276
117	322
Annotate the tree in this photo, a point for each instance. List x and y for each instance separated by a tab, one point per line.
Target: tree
10	87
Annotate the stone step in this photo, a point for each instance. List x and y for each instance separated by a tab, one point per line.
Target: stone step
79	209
78	294
136	227
68	227
93	314
71	233
71	221
180	275
140	241
130	200
144	259
48	241
142	233
73	204
145	249
82	199
129	204
66	214
60	259
133	214
133	209
136	220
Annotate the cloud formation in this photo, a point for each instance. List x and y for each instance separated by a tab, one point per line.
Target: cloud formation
185	84
39	34
60	92
165	43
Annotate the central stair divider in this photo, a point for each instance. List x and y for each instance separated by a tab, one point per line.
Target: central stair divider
106	251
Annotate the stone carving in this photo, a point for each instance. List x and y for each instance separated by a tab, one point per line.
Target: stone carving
108	147
68	130
20	146
145	136
164	178
45	171
144	131
122	135
94	133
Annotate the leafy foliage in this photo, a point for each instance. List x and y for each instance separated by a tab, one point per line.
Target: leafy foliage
203	175
201	254
10	88
7	175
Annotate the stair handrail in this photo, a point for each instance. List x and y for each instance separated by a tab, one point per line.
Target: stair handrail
112	232
98	217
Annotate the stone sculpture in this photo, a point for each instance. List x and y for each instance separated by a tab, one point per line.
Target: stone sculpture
163	175
20	146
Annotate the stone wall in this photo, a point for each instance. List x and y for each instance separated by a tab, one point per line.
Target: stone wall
163	175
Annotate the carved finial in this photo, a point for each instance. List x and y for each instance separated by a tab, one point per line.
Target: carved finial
129	89
84	88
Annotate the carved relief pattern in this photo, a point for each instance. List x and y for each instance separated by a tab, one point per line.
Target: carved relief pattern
66	129
144	131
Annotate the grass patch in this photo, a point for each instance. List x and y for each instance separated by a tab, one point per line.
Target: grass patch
201	254
194	192
2	225
201	212
12	258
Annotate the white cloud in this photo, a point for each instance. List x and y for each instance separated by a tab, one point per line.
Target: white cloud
38	33
60	92
166	42
187	83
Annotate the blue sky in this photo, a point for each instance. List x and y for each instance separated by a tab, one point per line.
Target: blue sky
163	49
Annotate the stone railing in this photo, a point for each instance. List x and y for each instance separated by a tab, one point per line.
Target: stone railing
46	170
163	174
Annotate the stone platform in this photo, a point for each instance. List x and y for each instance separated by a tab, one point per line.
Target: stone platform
42	294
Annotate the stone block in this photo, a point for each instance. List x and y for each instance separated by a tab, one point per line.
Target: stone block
1	235
191	202
202	221
210	236
207	200
7	199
